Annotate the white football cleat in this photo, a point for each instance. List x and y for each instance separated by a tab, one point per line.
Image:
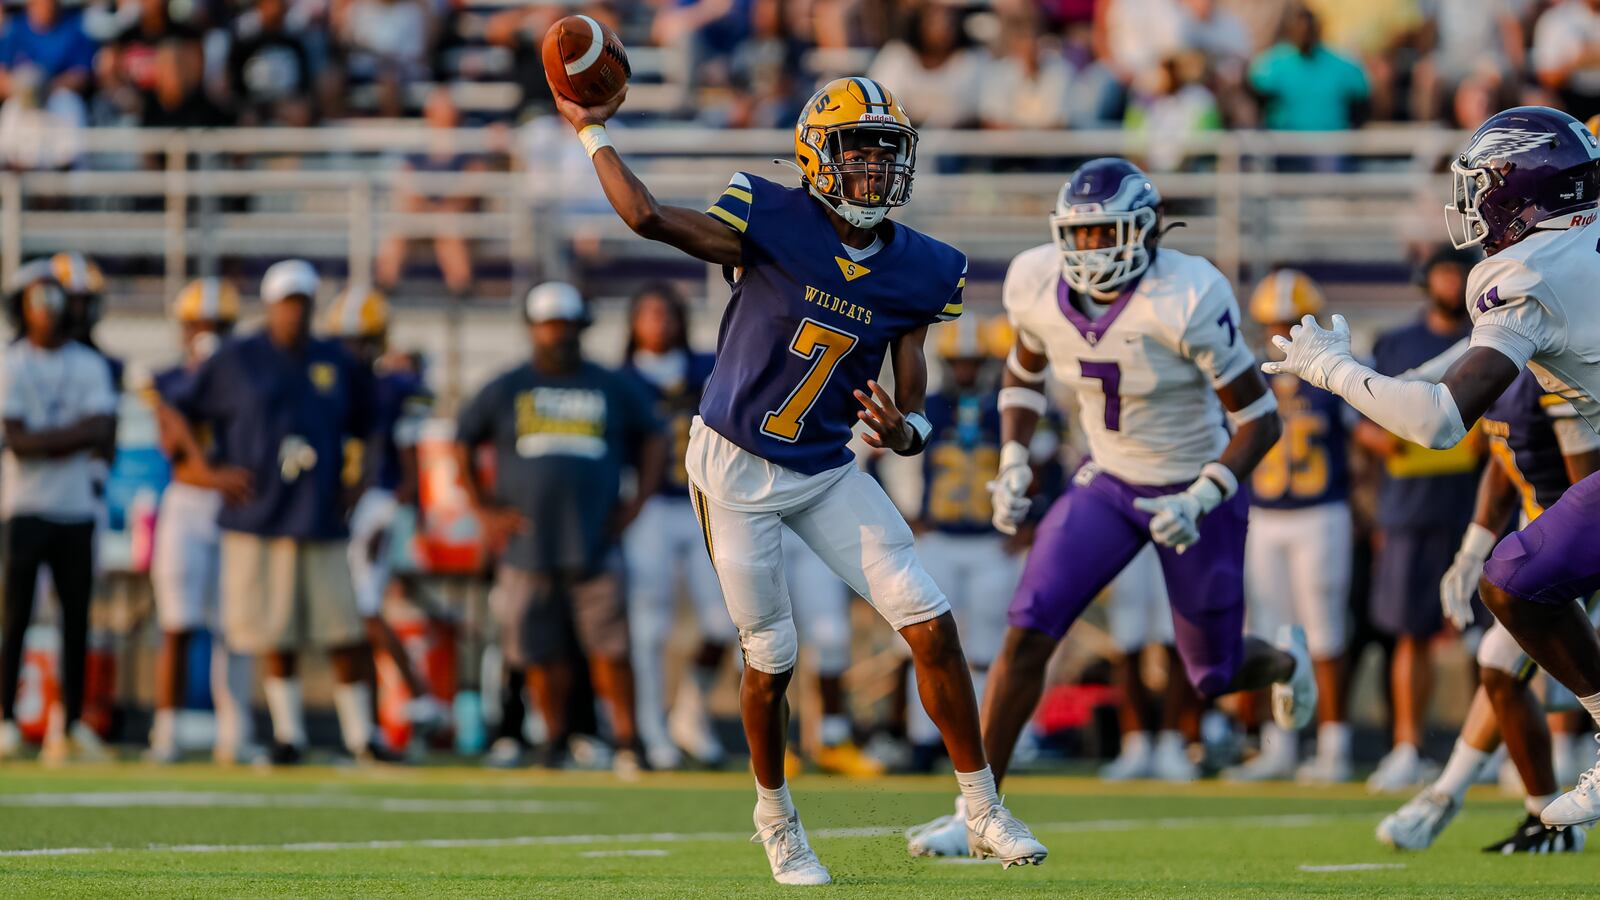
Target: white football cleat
1324	770
789	853
944	836
1133	763
1264	766
1172	763
1400	768
10	739
1579	806
1415	825
1294	702
1001	835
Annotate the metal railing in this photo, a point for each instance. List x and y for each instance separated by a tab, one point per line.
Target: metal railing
191	198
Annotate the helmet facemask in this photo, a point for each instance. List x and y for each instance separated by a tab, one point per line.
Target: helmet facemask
1463	219
1100	272
878	185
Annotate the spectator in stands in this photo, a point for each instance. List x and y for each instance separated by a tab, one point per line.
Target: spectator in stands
1303	85
698	33
931	68
1176	106
1478	41
1225	43
128	68
452	251
59	409
1566	55
520	30
1134	36
282	404
765	71
1424	503
1377	33
1029	85
562	428
269	69
386	43
51	47
178	98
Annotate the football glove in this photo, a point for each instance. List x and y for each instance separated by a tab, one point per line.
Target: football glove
1312	352
1461	579
1175	518
1008	492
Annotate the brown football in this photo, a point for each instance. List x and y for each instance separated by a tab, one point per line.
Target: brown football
585	60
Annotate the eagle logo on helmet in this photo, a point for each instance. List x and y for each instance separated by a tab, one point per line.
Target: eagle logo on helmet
1499	143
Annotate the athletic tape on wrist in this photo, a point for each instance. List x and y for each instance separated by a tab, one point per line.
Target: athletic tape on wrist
1022	398
1222	476
1262	405
594	137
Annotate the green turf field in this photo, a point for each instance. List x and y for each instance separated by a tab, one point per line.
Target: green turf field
196	831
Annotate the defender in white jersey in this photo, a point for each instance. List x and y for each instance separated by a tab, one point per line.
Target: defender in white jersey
1175	414
1526	188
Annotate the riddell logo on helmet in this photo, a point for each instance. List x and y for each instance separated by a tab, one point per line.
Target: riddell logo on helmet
1582	219
876	117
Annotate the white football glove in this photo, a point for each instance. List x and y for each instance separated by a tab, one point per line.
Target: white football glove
1008	492
1461	579
1175	518
1312	352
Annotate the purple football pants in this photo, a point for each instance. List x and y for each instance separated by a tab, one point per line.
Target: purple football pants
1557	557
1091	533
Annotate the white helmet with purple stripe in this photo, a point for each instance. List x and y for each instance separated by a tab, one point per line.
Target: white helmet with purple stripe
1121	208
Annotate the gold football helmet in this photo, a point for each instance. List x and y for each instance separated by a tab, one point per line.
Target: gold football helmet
851	114
358	312
207	300
1285	297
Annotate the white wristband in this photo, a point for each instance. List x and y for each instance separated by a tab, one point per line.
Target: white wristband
1479	541
1023	398
594	137
1222	476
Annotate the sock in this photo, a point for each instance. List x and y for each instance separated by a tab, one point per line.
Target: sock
1460	770
835	730
1169	742
1333	740
1592	704
773	804
164	730
1561	749
1136	744
979	790
283	703
1535	805
353	702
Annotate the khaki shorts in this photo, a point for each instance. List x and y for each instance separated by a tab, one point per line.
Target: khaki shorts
284	594
539	613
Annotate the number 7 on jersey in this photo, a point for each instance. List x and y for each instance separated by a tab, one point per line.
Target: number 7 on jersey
825	347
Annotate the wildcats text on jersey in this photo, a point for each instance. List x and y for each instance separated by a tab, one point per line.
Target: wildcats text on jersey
806	326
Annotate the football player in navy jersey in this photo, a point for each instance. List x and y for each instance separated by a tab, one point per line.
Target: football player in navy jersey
1297	561
666	540
824	289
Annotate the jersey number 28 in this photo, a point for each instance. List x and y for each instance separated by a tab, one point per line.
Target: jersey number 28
825	347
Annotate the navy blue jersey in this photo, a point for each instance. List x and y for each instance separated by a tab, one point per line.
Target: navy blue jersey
1310	464
1424	488
806	325
1522	437
962	457
284	418
397	396
676	407
170	384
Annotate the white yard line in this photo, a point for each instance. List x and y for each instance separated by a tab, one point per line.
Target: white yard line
1353	867
669	837
230	800
602	854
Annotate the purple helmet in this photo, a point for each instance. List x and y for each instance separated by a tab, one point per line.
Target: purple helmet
1107	191
1526	168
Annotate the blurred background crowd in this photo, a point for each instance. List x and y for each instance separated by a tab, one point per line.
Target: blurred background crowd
1170	65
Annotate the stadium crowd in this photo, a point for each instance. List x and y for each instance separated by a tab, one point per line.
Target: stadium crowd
1174	66
293	491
